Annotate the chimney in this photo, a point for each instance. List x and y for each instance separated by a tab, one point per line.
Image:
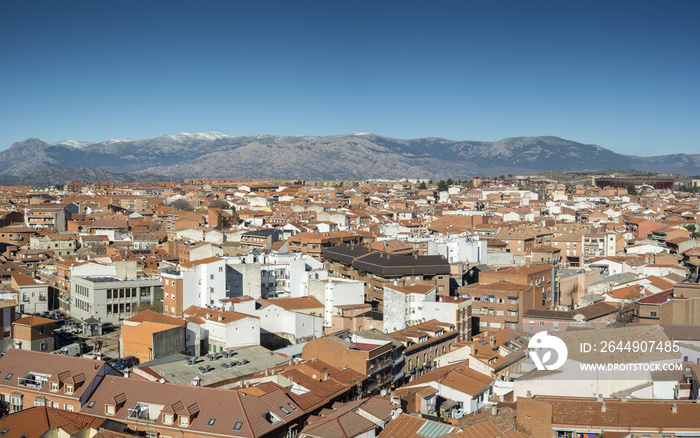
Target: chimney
221	318
603	408
325	376
291	361
208	315
599	397
267	372
529	394
494	410
674	408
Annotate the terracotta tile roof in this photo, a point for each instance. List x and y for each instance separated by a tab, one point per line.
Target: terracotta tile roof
226	316
640	414
657	298
458	377
201	261
31	320
37	421
227	407
295	303
23	362
405	426
151	316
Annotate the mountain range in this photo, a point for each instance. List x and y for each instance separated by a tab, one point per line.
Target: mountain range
355	156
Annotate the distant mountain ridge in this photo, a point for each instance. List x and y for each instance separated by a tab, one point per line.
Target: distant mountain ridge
63	175
352	156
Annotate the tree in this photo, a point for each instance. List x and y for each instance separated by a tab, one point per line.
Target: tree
182	204
442	186
422	186
632	191
693	231
219	203
450	182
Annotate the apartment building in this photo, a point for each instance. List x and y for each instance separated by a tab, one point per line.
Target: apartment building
199	283
111	299
377	357
31	378
423	344
407	306
377	270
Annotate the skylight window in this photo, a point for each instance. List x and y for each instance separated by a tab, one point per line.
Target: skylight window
91	405
9	376
211	422
4	431
285	410
238	425
294	408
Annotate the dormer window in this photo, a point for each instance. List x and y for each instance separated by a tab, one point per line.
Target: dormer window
168	418
184	421
69	389
109	409
54	386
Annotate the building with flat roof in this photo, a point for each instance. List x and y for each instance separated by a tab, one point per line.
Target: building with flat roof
111	299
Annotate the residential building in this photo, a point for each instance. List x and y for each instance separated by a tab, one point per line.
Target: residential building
375	358
31	378
33	333
225	329
598	315
376	270
150	335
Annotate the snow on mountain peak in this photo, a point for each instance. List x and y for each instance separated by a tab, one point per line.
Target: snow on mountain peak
74	143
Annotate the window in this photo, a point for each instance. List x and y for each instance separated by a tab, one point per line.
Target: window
238	425
9	376
69	408
69	389
167	419
541	323
41	330
39	401
109	409
294	408
285	410
54	386
211	276
184	421
16	402
211	422
91	405
653	314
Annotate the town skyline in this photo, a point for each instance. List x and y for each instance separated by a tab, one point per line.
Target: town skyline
615	75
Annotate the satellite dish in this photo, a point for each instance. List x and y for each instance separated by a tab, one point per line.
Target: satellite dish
383	393
579	317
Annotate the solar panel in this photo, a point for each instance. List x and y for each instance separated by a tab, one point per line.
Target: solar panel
434	430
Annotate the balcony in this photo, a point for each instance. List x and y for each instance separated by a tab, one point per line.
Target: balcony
33	380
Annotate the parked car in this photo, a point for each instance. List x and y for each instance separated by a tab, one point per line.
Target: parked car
125	362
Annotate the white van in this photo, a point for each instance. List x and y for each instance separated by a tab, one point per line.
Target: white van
71	350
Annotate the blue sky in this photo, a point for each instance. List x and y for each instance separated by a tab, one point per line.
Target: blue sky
623	75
